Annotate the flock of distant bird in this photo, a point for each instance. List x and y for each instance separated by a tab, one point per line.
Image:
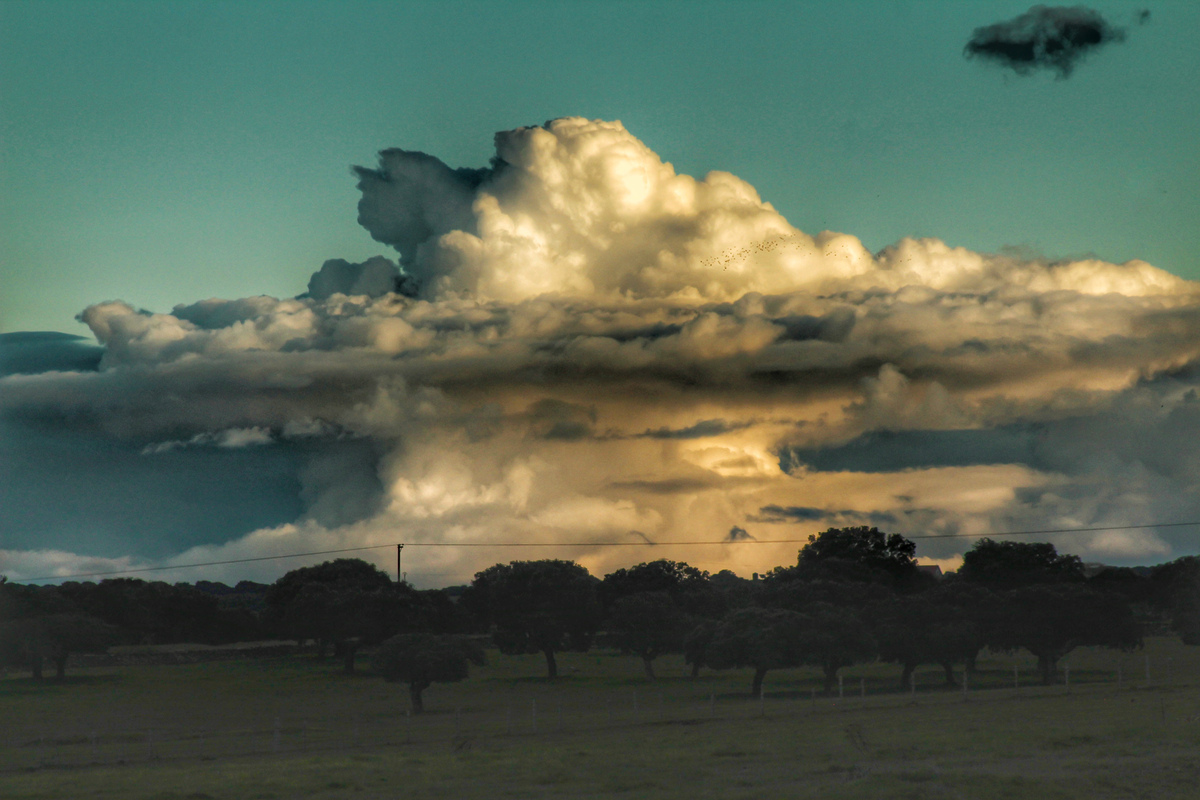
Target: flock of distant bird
738	254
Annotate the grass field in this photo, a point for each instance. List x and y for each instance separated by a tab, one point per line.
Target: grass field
292	727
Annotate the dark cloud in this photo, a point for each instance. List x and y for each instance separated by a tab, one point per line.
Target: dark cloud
775	513
558	420
738	534
374	277
701	430
892	451
31	352
66	489
668	485
1053	38
413	197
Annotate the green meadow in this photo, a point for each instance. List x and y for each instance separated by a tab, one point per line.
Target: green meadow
295	727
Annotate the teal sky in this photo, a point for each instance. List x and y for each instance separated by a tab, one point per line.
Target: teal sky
162	153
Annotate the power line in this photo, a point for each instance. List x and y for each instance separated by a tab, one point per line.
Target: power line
695	543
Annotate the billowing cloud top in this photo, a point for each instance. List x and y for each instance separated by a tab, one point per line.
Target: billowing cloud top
581	345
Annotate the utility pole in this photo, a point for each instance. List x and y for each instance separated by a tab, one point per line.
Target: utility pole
399	564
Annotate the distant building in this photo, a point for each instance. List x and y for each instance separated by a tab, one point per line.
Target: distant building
931	569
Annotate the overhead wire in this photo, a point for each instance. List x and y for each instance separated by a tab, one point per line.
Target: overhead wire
631	543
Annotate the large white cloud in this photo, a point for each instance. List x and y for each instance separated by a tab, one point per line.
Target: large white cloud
590	347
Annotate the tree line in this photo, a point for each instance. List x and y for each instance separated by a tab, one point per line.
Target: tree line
854	595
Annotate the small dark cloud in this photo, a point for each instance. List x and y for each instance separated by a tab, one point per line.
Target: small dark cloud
374	277
667	486
795	514
560	421
1053	38
774	513
701	430
832	327
738	534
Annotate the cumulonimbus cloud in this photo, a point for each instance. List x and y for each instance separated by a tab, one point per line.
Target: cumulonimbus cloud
581	345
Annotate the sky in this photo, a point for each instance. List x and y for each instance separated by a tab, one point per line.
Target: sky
667	271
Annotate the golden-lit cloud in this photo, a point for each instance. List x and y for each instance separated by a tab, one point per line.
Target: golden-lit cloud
578	344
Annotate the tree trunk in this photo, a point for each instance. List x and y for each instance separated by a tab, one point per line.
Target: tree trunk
969	667
1049	669
414	692
551	665
348	652
648	664
60	667
756	687
695	670
35	667
949	668
831	671
906	675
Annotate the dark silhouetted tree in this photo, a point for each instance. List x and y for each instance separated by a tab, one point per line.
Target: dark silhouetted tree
835	638
688	586
346	603
918	629
1175	591
1009	565
761	638
543	607
422	659
37	623
1051	620
862	554
695	644
648	624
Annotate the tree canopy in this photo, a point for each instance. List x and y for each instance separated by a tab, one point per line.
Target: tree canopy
762	638
422	659
648	624
1051	620
1009	565
546	607
346	602
860	553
